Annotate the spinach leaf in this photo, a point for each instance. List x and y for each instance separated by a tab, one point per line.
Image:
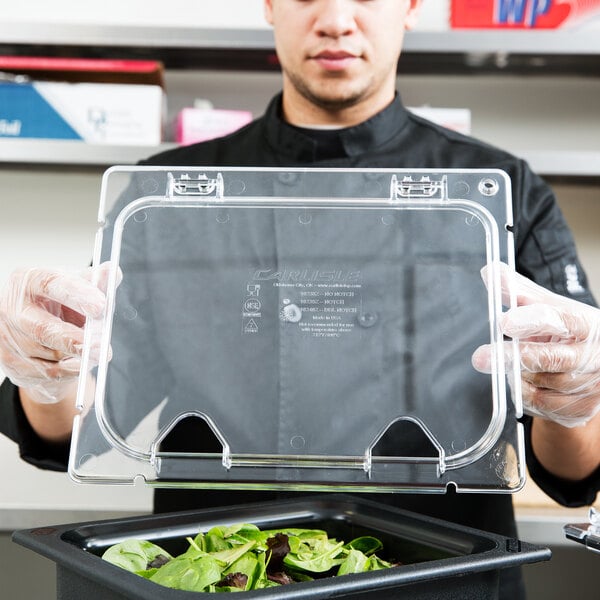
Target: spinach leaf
230	555
366	544
314	555
248	566
261	537
355	562
189	574
134	555
358	562
376	563
214	540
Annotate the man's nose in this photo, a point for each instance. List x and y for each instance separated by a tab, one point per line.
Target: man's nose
335	18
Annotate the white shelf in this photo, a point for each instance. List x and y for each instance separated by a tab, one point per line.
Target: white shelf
572	163
59	152
569	163
146	36
532	42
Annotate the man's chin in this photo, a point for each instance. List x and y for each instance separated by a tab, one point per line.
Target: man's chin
332	93
335	101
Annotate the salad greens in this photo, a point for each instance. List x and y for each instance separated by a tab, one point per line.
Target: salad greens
242	557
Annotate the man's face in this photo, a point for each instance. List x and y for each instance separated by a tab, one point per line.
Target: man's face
337	54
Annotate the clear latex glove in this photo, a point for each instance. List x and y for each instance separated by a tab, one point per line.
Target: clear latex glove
42	314
559	344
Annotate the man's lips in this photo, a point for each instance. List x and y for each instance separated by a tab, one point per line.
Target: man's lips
335	60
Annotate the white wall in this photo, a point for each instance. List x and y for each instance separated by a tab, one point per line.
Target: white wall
48	216
175	13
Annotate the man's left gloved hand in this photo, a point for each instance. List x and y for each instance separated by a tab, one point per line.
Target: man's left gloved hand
559	341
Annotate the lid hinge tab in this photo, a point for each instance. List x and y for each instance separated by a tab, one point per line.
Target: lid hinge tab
185	185
414	189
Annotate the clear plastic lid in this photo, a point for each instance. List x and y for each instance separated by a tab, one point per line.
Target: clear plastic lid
300	329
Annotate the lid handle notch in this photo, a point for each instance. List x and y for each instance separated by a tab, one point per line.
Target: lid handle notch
437	456
157	453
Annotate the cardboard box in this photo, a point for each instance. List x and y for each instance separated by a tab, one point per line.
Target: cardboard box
85	70
201	124
96	113
93	100
523	14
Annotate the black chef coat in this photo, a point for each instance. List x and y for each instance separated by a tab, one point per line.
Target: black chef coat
394	138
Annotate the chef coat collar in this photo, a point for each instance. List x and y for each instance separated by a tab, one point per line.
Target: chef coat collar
305	144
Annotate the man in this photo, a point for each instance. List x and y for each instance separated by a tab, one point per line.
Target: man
339	108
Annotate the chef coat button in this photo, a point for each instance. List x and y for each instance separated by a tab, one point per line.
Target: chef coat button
291	313
367	319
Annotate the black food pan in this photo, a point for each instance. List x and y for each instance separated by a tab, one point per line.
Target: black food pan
439	559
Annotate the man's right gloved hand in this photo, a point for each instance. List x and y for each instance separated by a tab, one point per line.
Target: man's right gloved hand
42	314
